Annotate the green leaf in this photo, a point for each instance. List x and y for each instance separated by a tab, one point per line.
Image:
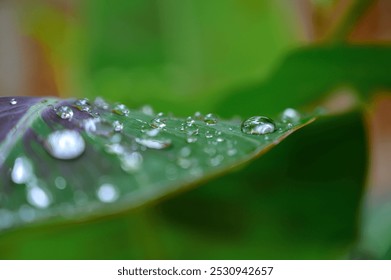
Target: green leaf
309	74
60	168
300	201
295	202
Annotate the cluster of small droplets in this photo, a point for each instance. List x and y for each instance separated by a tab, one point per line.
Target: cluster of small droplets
189	127
83	105
158	122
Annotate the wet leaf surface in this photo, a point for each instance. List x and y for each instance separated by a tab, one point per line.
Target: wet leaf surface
75	159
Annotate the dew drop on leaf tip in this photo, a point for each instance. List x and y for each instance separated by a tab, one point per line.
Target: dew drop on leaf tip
258	125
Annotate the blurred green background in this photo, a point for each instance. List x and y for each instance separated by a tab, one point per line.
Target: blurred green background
324	193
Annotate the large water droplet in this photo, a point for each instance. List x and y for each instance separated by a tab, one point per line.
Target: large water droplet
210	119
290	115
121	109
258	125
107	193
22	171
158	123
65	144
64	112
13	101
154	143
37	197
118	126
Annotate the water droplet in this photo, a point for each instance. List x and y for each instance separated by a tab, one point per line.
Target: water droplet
191	139
22	171
131	162
64	112
118	126
290	115
147	109
215	161
231	152
190	127
184	163
210	119
258	125
89	125
13	101
6	219
210	151
26	213
198	116
65	144
154	144
152	132
107	193
171	173
83	105
190	121
219	139
208	134
37	197
185	152
158	123
115	148
121	109
101	103
60	183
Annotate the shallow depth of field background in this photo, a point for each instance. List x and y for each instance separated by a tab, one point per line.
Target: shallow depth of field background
182	57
